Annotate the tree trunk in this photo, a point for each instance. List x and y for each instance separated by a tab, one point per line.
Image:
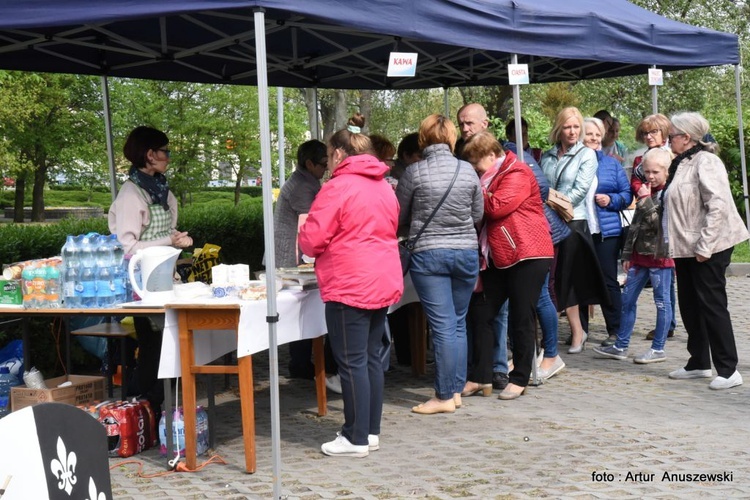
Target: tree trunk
37	198
341	110
312	112
18	200
365	107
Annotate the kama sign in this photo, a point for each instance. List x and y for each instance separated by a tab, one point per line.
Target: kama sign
401	64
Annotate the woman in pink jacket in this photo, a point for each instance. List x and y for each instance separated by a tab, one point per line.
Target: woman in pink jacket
351	232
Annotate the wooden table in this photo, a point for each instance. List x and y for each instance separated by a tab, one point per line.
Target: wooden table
66	314
226	317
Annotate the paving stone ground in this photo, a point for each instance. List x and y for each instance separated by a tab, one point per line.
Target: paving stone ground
600	429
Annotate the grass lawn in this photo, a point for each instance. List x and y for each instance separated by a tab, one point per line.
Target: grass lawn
741	253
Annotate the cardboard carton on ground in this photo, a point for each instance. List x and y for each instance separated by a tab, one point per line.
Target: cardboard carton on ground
84	389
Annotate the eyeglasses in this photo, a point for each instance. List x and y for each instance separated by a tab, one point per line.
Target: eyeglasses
166	152
654	133
672	136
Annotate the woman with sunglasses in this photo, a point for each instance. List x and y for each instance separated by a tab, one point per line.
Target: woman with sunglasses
144	214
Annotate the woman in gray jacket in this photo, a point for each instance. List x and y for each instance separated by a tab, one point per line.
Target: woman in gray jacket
703	226
445	260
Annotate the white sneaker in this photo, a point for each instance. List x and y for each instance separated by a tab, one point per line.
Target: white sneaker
726	383
333	383
373	442
341	447
683	374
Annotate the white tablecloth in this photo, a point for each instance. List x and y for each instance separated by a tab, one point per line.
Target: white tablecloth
409	296
301	316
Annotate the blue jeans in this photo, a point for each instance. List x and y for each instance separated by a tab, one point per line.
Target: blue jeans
500	351
661	279
356	337
444	279
546	312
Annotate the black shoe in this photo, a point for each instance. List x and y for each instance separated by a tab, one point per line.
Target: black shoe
569	340
499	380
650	335
610	341
306	372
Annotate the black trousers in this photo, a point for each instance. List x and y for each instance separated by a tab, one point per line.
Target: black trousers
521	285
608	252
702	295
147	367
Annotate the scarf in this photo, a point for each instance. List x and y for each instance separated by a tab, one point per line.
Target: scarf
678	159
156	186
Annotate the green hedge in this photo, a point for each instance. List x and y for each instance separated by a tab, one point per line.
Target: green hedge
238	230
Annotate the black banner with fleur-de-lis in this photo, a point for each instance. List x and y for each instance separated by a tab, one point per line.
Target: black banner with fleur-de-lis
74	453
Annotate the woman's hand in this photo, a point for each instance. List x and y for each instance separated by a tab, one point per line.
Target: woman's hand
626	265
602	200
701	258
181	240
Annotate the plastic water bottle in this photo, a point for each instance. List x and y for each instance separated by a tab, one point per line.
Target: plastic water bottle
120	273
71	262
105	272
7	381
86	287
27	287
53	287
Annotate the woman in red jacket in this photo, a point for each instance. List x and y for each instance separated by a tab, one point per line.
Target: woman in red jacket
351	232
515	242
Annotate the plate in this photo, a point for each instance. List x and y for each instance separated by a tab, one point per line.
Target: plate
139	304
296	270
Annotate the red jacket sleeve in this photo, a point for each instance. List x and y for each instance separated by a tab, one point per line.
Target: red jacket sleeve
506	193
322	222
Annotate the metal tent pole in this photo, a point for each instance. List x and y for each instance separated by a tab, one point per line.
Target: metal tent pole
741	128
108	131
281	140
517	116
446	102
272	314
654	97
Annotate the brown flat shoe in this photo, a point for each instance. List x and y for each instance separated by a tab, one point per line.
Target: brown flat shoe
435	406
650	335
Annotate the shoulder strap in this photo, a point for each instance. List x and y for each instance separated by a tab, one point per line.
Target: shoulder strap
557	181
411	243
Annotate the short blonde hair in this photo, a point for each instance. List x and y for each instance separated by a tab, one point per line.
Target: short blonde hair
480	145
563	116
437	129
659	157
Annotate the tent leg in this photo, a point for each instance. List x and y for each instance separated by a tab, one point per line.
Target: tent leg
282	145
446	102
654	97
108	132
741	129
272	315
517	114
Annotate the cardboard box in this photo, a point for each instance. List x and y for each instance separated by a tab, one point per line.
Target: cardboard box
84	390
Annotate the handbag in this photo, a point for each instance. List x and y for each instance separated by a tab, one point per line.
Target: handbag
406	247
559	202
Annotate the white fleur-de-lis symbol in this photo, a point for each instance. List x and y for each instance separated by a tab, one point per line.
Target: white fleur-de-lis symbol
92	491
64	467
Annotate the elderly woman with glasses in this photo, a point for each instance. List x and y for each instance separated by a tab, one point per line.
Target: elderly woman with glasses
703	226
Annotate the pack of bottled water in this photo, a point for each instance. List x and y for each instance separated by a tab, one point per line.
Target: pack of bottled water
94	274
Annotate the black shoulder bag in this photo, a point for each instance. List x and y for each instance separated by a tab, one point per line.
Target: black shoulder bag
406	247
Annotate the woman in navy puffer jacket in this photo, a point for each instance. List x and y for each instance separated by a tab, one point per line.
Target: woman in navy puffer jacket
612	195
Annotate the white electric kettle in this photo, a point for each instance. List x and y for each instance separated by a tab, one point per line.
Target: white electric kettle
157	273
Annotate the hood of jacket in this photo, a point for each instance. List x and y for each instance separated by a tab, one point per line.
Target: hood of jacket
365	165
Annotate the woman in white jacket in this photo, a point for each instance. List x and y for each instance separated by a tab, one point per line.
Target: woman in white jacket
703	226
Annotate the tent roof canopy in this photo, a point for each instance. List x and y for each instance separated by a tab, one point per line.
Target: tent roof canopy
334	44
